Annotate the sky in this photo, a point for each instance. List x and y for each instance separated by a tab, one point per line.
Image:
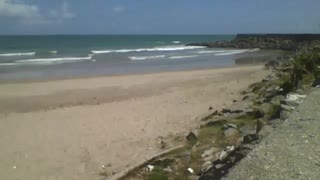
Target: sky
159	16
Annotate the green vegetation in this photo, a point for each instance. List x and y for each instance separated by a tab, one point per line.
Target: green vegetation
305	68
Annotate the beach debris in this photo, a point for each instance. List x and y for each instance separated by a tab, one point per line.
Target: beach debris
210	108
149	168
190	170
14	167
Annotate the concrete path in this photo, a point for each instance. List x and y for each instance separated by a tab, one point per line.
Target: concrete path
291	152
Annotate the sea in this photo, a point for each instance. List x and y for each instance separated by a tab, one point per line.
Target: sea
72	56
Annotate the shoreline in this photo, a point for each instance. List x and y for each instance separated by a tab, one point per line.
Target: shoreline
101	117
130	74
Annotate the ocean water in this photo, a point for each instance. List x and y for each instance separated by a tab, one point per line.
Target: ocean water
65	56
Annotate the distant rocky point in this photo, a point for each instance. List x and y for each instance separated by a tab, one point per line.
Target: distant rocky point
291	42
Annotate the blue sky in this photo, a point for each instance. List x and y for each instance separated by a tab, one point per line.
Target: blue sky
159	16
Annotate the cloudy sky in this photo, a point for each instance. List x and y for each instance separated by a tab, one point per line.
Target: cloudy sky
158	16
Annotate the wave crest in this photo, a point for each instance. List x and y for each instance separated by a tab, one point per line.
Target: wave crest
165	48
135	58
19	54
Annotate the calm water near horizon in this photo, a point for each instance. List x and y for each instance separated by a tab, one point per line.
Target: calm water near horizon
67	56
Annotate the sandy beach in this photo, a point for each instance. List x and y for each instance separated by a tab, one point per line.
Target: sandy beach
70	129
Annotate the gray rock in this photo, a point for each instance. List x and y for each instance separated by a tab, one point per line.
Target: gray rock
284	115
316	82
246	129
287	108
265	108
206	166
168	169
211	158
259	126
248	146
218	166
231	132
265	131
229	125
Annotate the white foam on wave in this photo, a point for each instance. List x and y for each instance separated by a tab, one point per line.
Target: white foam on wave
183	57
137	58
54	59
232	52
212	52
164	48
8	64
176	42
45	61
19	54
53	52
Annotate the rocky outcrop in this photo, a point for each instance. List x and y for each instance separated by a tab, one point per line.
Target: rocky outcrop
291	42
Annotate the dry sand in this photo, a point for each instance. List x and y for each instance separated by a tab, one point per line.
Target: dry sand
69	129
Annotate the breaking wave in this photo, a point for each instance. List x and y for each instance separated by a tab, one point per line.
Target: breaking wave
183	57
165	48
19	54
44	61
136	58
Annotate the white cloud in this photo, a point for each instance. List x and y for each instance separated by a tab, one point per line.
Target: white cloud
21	12
118	9
65	13
24	13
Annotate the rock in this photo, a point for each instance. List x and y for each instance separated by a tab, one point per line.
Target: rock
218	166
287	108
284	115
259	126
248	146
168	169
229	125
250	138
210	108
231	132
226	110
206	166
316	83
223	154
265	108
244	152
210	158
246	129
265	131
209	152
217	122
233	159
294	99
192	137
300	91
